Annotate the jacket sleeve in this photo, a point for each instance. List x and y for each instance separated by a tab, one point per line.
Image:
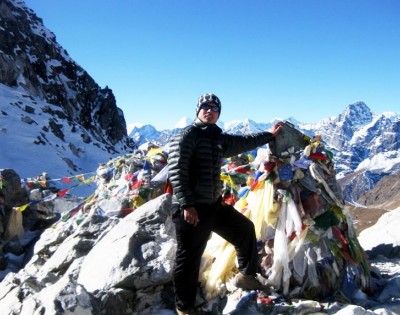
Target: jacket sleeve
236	144
179	158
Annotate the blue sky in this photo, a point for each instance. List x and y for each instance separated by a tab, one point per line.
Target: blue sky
265	59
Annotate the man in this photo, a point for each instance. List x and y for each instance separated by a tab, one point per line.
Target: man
195	161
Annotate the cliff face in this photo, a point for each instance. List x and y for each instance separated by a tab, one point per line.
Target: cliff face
385	195
32	59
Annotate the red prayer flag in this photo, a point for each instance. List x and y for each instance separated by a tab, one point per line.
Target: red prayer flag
67	180
137	184
62	193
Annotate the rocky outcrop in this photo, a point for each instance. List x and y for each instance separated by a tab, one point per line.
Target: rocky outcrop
385	195
11	190
32	59
87	262
102	265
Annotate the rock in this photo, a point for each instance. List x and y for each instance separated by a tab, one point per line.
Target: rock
32	59
14	247
95	264
28	295
62	245
112	206
136	254
14	194
3	263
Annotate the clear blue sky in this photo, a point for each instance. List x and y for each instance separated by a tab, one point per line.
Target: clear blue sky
265	59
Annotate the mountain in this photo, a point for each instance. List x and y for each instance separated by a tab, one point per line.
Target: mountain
55	118
385	194
53	115
384	197
185	121
366	146
147	133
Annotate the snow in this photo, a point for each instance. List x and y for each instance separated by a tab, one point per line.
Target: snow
362	132
183	122
132	126
387	228
21	131
390	115
380	163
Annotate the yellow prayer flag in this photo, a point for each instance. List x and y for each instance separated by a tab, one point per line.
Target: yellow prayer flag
81	178
89	180
154	151
22	208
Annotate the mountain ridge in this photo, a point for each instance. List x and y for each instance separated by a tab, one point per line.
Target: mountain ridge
53	115
67	124
365	145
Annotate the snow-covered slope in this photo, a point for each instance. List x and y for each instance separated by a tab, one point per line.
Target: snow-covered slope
53	116
35	140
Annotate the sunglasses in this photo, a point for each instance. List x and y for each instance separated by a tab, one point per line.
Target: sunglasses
206	106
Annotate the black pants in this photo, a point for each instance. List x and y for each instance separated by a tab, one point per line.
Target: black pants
227	222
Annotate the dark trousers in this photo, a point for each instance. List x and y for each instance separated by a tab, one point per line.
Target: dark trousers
227	222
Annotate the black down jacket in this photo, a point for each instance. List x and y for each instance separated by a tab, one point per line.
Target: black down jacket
195	158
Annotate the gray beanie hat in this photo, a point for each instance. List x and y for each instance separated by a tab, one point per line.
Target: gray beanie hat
208	98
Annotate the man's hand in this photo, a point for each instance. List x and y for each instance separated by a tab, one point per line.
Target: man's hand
276	129
190	216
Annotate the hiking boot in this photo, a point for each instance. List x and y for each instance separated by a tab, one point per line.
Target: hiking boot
248	282
188	312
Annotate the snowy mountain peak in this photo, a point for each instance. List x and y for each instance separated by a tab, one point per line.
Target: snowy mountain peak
183	122
356	114
245	126
131	126
391	115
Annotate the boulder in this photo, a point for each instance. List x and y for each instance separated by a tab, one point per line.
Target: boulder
136	254
89	263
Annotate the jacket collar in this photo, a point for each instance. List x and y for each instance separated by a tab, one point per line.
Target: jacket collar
211	127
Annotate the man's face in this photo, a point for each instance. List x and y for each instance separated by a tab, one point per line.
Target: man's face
209	113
